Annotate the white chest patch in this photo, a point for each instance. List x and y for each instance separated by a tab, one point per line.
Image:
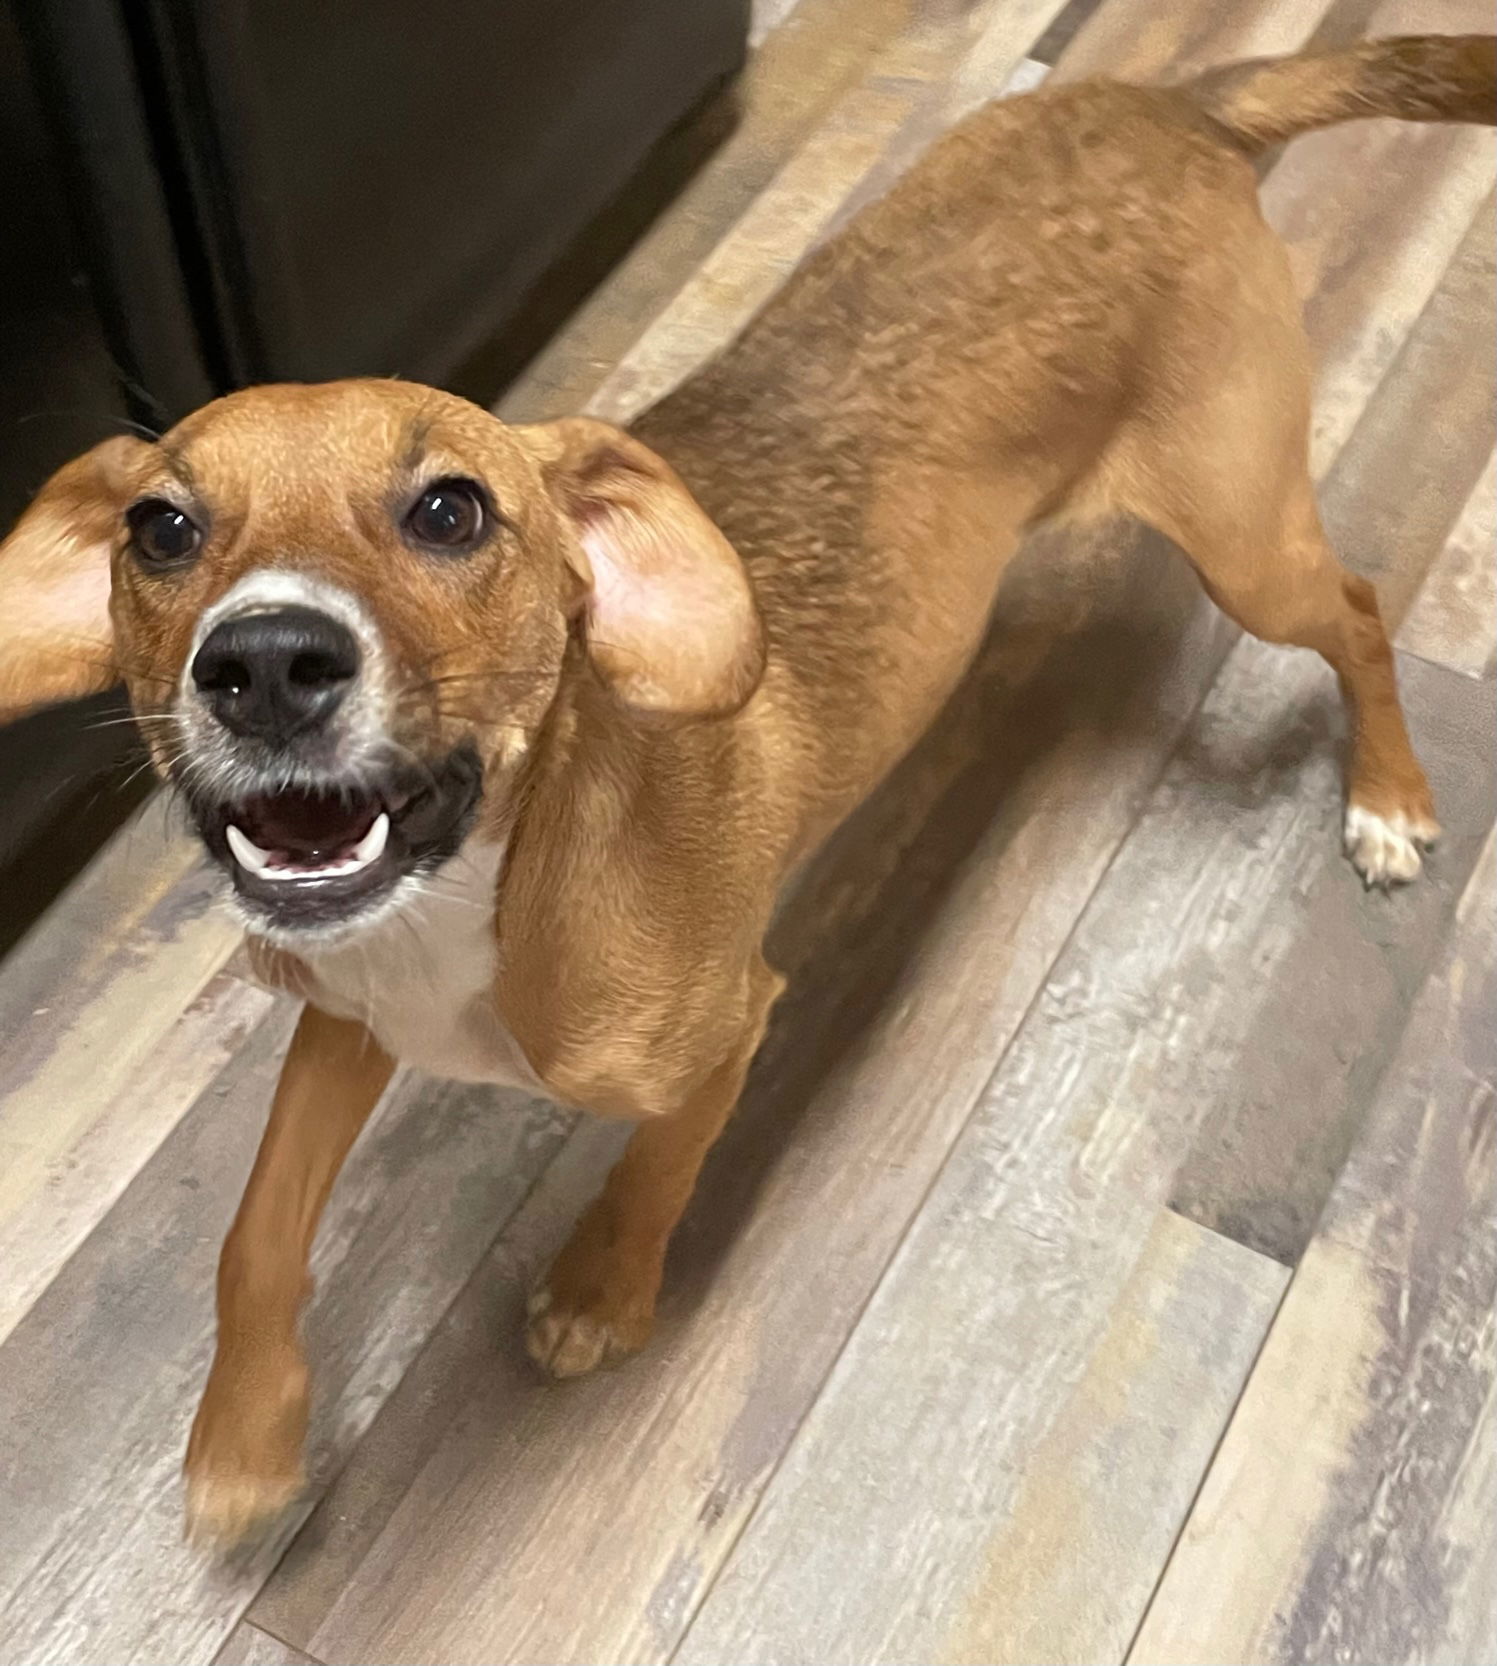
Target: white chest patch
422	981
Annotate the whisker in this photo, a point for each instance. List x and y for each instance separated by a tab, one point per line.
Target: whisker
132	720
92	416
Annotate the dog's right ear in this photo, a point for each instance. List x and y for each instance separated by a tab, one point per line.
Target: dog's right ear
56	642
670	619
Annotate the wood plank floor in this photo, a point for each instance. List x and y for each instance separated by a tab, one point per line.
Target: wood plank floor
1100	1266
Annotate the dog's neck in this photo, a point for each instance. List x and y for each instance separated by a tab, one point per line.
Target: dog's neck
425	979
421	980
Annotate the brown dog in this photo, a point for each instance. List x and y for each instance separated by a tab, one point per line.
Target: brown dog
507	737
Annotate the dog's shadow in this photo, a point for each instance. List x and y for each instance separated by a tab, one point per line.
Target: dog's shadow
1088	633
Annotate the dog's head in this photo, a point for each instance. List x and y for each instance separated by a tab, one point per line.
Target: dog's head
343	613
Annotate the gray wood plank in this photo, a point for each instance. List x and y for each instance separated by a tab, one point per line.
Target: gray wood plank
918	947
99	1379
1349	1513
799	71
1198	969
1352	1511
247	1645
944	63
479	1336
1453	619
1271	1144
1159	43
765	16
1373	213
1432	426
1062	31
114	1019
56	1190
1419	1194
124	908
1101	1495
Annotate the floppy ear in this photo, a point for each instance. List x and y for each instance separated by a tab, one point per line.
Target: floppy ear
668	613
55	637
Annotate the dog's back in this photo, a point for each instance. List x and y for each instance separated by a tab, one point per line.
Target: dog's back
1025	325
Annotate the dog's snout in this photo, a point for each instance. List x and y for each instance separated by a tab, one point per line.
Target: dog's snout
275	675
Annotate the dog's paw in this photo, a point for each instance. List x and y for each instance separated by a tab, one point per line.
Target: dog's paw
244	1464
1386	849
569	1341
226	1512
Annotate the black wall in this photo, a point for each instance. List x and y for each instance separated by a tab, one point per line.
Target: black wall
200	194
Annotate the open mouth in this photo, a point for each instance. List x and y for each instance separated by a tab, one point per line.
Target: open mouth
307	857
303	835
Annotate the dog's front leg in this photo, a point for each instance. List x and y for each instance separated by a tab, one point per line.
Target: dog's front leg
598	1300
244	1457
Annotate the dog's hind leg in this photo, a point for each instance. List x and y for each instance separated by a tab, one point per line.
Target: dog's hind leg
1293	590
1222	468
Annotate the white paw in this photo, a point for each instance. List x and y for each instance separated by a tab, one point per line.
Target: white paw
568	1342
1385	850
565	1344
225	1511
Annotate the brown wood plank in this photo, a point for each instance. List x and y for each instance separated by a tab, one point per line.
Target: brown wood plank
1453	619
99	1379
1196	980
247	1645
1350	1512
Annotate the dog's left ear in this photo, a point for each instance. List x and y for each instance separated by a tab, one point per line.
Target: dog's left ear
668	612
56	642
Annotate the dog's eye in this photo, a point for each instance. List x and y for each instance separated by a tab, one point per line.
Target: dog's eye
161	534
449	515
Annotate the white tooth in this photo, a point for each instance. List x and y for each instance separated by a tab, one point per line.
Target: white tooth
246	852
249	855
371	846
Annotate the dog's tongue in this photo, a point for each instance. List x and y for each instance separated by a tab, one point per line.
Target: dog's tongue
308	824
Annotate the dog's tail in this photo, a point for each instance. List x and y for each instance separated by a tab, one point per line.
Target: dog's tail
1412	77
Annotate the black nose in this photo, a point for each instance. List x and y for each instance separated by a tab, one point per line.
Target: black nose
276	675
